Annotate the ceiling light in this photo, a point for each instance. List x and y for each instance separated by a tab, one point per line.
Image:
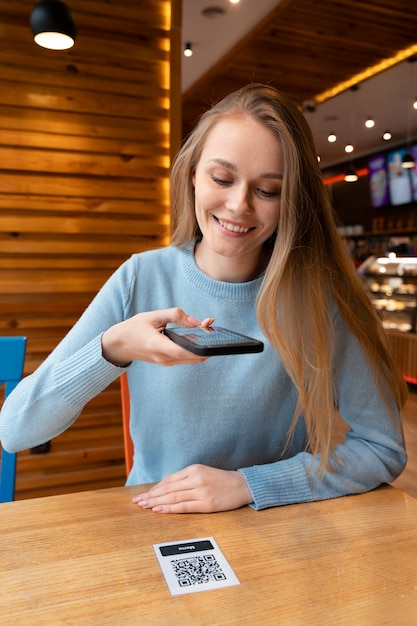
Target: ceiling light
387	136
234	1
415	104
370	123
308	106
188	50
349	147
331	138
52	25
351	175
213	12
408	161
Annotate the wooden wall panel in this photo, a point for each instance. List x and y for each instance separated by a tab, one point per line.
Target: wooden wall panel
85	152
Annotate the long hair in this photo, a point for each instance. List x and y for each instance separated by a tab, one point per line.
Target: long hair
309	268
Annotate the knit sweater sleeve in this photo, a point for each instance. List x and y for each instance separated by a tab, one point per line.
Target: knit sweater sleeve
373	452
48	401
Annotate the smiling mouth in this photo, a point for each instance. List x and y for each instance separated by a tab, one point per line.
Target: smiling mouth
233	228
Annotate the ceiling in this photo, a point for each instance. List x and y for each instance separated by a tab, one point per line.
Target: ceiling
306	48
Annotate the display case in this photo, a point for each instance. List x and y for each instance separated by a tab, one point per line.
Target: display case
392	282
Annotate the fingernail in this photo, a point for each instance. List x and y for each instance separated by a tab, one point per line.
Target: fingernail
140	501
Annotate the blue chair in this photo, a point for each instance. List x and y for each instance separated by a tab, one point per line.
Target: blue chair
12	358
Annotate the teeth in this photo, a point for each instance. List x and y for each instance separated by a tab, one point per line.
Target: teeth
233	227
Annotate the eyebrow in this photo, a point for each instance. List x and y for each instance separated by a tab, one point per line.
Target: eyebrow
231	166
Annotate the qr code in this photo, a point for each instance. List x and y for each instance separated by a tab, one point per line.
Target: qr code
197	570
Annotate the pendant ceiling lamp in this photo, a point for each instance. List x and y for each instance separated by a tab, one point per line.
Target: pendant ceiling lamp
188	49
408	161
52	25
351	175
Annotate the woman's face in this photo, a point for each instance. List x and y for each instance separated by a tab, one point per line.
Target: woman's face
237	197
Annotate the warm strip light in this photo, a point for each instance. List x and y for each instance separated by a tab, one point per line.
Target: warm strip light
368	73
341	177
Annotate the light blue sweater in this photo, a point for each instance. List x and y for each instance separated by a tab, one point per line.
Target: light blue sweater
230	412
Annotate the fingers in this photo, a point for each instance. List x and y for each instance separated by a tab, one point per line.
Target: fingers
140	338
173	354
178	502
197	489
178	316
206	323
176	493
174	316
171	485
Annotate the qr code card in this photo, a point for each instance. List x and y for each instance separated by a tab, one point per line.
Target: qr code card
194	565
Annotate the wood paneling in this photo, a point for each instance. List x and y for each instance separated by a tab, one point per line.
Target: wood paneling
85	151
304	47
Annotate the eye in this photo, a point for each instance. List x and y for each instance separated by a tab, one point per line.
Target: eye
266	193
222	182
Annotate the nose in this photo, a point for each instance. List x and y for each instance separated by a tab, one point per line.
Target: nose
238	199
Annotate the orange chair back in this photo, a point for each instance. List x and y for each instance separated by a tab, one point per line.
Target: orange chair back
128	443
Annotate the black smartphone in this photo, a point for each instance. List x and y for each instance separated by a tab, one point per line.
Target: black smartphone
213	340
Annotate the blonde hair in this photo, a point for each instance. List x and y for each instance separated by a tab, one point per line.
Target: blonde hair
309	268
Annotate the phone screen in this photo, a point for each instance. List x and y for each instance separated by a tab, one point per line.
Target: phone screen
213	340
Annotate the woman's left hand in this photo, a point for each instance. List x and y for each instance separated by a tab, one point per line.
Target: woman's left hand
197	489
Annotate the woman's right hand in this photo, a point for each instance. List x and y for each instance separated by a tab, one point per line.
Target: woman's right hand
141	338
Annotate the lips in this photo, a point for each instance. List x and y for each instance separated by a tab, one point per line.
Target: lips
234	228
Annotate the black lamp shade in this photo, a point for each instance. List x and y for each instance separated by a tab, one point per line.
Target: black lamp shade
351	176
408	161
52	16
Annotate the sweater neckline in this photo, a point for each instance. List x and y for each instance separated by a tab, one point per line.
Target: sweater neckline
217	288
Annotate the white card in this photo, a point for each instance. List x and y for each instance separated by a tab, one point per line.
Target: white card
194	565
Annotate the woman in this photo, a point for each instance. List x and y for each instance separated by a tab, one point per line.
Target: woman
255	246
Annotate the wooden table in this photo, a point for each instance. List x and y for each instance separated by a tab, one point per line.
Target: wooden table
88	558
